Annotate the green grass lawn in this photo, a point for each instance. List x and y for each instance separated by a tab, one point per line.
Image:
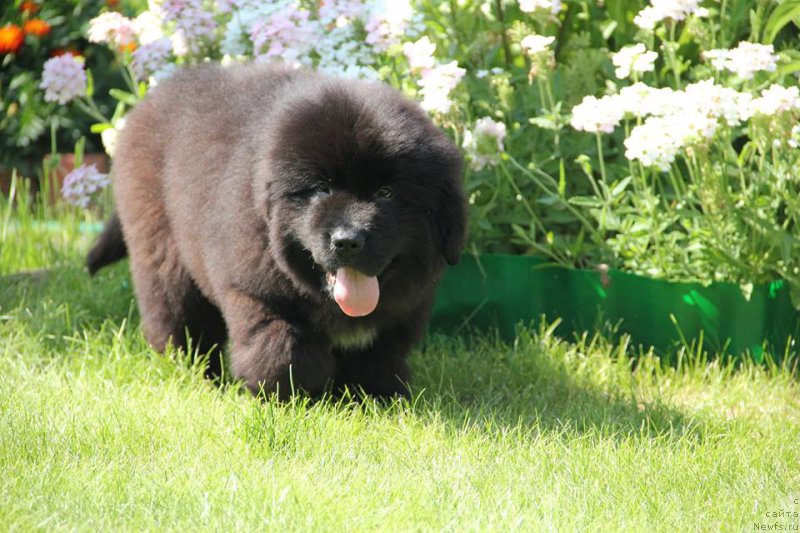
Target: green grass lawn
98	432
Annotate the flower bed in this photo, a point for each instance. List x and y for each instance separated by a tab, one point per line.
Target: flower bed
659	139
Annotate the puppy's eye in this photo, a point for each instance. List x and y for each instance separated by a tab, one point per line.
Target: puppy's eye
322	188
384	192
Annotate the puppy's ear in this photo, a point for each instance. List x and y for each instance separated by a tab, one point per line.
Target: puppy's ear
450	218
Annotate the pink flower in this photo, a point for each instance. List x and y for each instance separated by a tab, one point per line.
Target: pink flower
485	142
287	33
436	85
338	11
193	24
152	57
63	79
420	53
387	23
112	28
82	183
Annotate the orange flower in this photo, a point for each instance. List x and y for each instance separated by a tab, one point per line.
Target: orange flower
129	47
29	7
36	27
11	38
112	3
61	51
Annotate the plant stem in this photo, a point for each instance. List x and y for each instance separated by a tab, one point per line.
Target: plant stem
600	157
502	19
536	221
88	106
571	208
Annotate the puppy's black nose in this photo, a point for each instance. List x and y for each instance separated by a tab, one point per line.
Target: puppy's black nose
348	240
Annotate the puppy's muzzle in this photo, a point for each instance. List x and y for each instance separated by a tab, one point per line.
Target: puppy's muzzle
347	243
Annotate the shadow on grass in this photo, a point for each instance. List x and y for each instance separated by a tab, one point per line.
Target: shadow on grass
539	384
542	384
57	302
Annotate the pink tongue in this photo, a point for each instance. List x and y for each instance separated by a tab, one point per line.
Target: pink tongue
356	294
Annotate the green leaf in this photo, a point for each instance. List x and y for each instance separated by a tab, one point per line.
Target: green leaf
544	123
100	127
780	17
124	96
620	186
89	83
586	201
79	149
119	112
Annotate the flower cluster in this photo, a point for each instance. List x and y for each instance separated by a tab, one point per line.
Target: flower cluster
12	36
534	45
436	81
11	39
112	28
744	60
194	25
288	33
342	37
386	22
82	183
152	59
634	59
674	120
659	10
597	115
531	6
63	79
485	142
420	54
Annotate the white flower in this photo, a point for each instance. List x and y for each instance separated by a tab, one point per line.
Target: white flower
529	6
82	183
635	58
648	17
657	141
420	53
694	127
776	99
744	60
536	44
654	143
597	116
109	137
63	79
659	10
794	140
485	142
436	85
111	28
714	100
148	27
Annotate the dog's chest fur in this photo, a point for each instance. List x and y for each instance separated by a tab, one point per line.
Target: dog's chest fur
353	338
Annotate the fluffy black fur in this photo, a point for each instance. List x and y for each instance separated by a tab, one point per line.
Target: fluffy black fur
229	184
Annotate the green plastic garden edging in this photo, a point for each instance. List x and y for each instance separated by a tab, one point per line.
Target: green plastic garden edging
502	291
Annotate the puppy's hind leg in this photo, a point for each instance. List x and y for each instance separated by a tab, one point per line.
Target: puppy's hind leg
170	303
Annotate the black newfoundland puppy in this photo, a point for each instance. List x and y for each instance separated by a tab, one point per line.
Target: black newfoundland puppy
306	218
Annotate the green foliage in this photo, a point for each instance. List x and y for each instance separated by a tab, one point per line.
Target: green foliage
25	117
724	210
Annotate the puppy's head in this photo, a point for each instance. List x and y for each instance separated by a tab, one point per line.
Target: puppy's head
363	195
